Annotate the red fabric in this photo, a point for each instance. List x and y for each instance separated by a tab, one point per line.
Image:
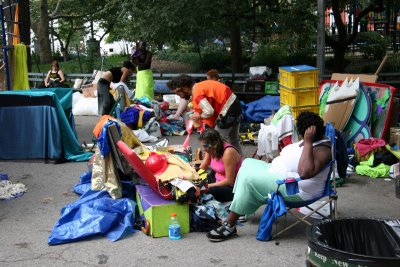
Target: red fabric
287	140
367	145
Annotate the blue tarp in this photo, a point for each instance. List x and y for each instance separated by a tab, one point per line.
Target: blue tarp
261	109
94	213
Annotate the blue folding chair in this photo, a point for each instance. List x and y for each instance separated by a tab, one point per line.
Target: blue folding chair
329	194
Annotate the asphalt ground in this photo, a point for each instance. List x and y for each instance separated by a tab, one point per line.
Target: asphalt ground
26	223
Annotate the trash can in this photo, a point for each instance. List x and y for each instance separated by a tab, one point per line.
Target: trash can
354	242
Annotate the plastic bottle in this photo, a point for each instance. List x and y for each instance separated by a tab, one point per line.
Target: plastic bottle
174	228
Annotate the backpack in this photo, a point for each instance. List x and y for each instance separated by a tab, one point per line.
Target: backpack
342	159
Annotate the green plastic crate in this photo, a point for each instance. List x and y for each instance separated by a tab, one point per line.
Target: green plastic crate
271	87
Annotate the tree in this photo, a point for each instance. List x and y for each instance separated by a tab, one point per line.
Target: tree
168	21
344	39
71	17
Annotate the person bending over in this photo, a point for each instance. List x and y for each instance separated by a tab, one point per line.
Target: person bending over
256	178
224	161
214	104
117	76
55	76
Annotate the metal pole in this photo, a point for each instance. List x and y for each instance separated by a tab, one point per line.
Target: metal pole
321	37
5	48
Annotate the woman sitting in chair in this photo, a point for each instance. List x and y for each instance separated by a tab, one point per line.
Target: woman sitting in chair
55	76
256	178
224	160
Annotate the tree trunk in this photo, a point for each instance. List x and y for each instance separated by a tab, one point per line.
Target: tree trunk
339	59
43	37
25	28
236	48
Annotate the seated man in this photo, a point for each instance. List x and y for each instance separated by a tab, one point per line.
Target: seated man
256	179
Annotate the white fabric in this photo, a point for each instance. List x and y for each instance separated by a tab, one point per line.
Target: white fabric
183	185
288	161
270	135
284	127
97	75
152	127
84	105
127	91
76	97
78	83
143	136
206	109
267	141
9	190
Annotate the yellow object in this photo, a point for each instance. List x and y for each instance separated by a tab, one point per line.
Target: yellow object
140	121
297	110
203	174
20	68
157	212
298	79
16	35
178	168
299	97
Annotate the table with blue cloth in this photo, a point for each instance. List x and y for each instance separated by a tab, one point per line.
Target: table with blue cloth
38	124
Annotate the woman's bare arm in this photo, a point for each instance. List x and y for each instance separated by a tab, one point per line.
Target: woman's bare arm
230	159
312	159
206	161
61	74
125	73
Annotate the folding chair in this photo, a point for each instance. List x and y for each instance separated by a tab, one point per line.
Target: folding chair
329	194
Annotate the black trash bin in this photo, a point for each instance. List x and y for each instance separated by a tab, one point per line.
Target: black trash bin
354	242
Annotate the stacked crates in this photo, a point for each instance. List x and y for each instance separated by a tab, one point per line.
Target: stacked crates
299	88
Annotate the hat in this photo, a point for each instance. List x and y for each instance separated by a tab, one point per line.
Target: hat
157	163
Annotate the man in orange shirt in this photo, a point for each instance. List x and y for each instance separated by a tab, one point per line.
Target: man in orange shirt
214	104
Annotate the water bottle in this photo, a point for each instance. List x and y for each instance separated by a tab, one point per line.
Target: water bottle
174	228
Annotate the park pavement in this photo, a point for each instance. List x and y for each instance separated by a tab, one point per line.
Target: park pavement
26	223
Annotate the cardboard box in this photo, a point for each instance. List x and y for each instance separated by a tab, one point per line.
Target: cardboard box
89	90
370	78
157	211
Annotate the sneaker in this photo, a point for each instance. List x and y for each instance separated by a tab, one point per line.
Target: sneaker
222	233
242	219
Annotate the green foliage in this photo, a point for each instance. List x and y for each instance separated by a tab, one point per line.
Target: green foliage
72	66
186	57
272	56
215	58
372	44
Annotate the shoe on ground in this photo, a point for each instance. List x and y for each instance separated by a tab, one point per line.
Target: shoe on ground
222	233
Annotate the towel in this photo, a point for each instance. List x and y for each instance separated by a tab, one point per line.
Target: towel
20	68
